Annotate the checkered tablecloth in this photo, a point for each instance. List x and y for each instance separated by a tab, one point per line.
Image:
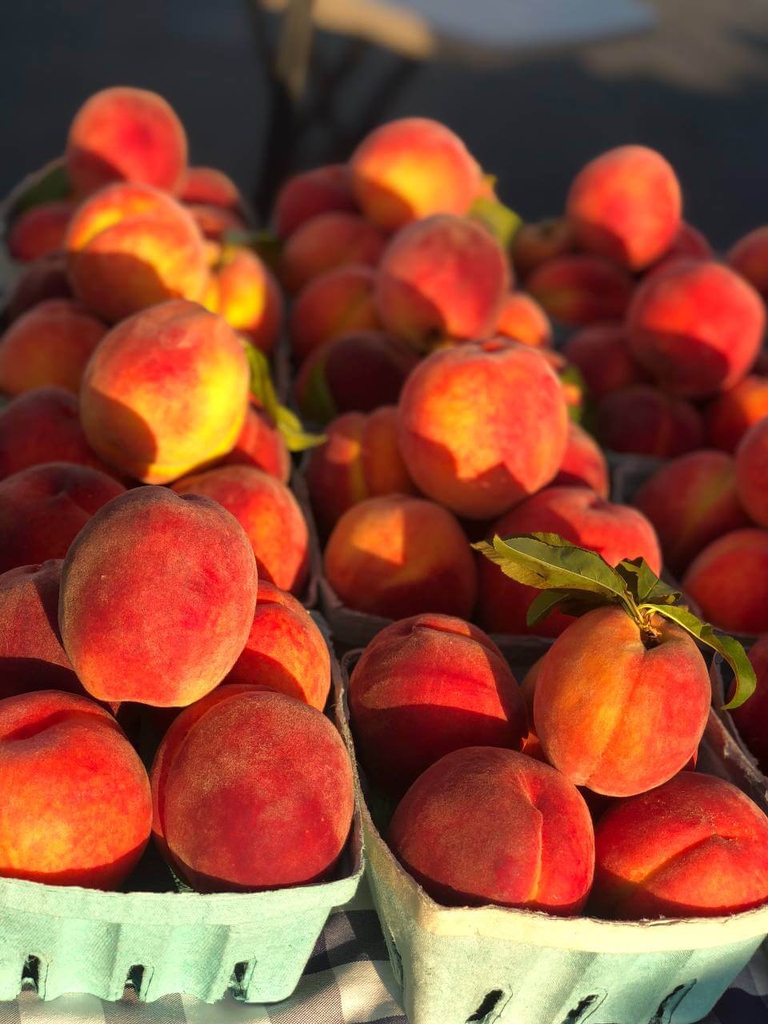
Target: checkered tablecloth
347	981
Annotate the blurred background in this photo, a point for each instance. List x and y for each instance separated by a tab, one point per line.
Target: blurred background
695	86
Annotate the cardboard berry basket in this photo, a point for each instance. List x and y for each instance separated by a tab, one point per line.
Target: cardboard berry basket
494	964
254	945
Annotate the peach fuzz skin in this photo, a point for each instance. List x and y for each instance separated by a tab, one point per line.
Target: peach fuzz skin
522	319
751	717
42	279
126	134
157	598
645	421
327	241
729	416
752	472
359	460
602	356
443	277
40	230
166	392
615	715
728	580
308	194
626	205
333	304
581	289
397	555
285	650
252	790
50	344
77	808
695	847
749	258
426	686
691	501
486	825
246	294
465	444
268	513
696	326
579	516
583	464
210	186
260	444
409	169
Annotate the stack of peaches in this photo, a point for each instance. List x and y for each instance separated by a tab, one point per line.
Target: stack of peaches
150	549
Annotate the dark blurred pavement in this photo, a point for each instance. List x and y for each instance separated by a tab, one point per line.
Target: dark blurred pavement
696	89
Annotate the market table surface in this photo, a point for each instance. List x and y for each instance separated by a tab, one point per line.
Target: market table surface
347	981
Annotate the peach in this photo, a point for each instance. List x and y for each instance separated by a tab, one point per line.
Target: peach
443	277
749	258
43	426
694	847
750	717
260	445
523	320
126	134
252	790
215	222
626	205
752	472
77	808
410	169
132	246
210	186
539	242
602	355
268	513
50	344
335	303
327	241
356	372
359	460
244	291
728	580
620	709
397	555
487	825
579	516
310	193
31	655
730	415
531	744
285	650
40	230
157	598
465	444
696	327
581	289
583	464
691	501
644	421
42	279
44	507
424	687
688	242
165	392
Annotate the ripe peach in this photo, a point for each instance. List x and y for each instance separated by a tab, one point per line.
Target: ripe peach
752	472
540	242
43	508
50	344
728	580
691	501
327	241
40	231
644	421
695	847
583	464
749	258
269	514
523	320
397	555
730	415
285	650
126	134
209	186
696	326
426	686
602	355
750	717
410	169
442	277
619	709
157	598
77	808
244	291
626	205
214	222
581	289
260	445
579	516
310	193
42	279
487	825
359	460
335	303
688	242
465	443
252	790
356	372
165	392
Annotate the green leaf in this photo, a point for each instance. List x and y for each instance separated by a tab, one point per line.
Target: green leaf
52	185
729	647
541	606
287	422
296	438
502	222
573	379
